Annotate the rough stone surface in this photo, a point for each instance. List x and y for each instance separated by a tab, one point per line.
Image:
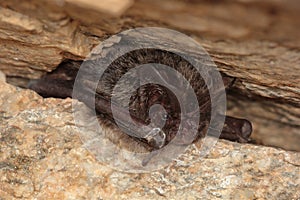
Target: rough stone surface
2	76
42	157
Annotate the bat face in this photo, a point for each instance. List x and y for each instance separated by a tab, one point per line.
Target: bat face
151	106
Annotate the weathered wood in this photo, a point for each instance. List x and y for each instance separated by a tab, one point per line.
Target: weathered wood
256	42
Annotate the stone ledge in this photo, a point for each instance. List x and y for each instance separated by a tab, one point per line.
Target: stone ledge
42	158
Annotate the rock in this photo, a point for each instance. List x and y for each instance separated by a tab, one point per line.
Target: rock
42	157
2	76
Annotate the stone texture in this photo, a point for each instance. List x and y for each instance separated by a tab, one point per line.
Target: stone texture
42	157
2	76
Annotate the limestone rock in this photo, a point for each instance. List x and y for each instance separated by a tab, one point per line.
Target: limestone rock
42	157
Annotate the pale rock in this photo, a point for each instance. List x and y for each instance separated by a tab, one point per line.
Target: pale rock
42	157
